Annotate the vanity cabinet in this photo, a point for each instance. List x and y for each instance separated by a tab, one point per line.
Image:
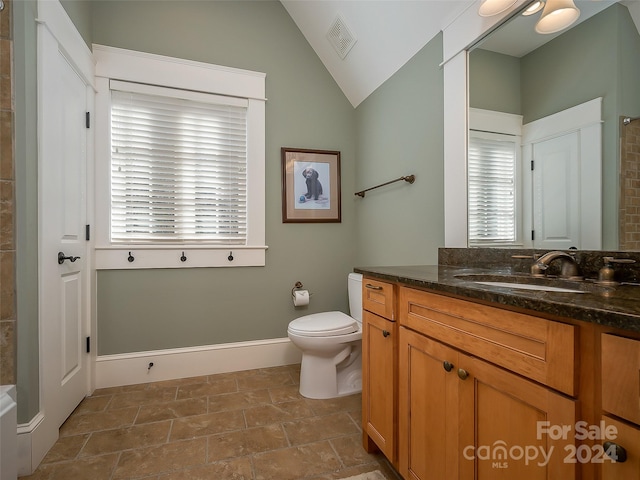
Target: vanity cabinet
461	416
379	367
620	361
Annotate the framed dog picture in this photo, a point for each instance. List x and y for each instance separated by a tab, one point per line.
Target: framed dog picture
310	186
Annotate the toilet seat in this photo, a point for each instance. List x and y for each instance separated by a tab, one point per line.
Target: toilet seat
323	324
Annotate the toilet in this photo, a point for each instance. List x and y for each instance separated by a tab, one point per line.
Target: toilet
331	344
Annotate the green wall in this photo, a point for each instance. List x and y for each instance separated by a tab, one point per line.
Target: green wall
142	310
400	132
494	82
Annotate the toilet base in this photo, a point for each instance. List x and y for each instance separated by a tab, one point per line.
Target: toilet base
321	378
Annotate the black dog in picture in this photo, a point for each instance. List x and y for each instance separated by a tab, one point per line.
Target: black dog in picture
314	187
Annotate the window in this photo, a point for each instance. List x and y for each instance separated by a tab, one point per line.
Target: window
178	166
179	163
492	167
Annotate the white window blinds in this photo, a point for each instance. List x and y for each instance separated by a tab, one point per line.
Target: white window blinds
492	188
178	166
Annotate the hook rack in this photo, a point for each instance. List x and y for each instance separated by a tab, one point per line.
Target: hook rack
408	179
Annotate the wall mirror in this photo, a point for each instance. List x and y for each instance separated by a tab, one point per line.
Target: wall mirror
548	98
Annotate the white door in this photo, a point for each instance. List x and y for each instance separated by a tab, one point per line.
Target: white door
64	323
556	193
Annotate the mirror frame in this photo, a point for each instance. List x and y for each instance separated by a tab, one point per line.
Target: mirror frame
466	30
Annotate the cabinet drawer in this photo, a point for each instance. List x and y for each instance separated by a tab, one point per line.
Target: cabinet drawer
540	349
620	379
377	297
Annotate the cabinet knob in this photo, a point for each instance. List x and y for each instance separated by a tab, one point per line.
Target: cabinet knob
463	374
385	333
615	452
448	366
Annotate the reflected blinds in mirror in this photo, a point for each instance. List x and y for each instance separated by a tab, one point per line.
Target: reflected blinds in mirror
492	189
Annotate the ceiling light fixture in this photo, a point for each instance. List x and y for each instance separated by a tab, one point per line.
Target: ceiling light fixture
535	7
557	15
489	8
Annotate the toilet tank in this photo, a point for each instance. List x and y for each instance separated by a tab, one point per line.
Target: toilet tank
355	295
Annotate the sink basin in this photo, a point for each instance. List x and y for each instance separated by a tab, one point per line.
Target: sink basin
527	286
524	282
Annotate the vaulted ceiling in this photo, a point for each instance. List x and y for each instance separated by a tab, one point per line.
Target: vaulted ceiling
380	36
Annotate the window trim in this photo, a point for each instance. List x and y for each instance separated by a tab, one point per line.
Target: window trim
138	67
509	127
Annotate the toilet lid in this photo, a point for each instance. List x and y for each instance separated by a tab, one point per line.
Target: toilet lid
323	324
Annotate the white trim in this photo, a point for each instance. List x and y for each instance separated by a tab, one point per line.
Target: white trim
133	368
150	256
495	122
159	70
31	447
52	15
462	33
148	68
572	119
455	149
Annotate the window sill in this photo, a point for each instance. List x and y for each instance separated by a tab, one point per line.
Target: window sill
130	257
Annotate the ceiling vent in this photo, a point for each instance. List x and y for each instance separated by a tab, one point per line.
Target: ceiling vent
341	37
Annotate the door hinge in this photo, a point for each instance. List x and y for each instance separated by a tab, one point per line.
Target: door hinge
87	232
88	344
533	234
88	119
531	164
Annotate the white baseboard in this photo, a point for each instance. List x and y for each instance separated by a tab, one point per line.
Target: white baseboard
32	445
133	368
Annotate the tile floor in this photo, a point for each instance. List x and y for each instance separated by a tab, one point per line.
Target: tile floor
250	425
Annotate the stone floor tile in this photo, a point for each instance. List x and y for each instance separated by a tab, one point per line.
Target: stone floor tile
285	393
171	410
93	422
148	396
276	413
66	448
246	442
238	400
126	438
350	451
314	429
93	404
234	469
264	379
92	468
225	385
296	463
161	459
209	424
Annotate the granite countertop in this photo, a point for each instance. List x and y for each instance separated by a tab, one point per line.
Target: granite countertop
614	306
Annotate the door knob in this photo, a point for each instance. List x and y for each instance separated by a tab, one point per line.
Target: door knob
463	374
616	452
62	257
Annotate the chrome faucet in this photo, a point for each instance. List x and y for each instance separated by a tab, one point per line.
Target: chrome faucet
569	268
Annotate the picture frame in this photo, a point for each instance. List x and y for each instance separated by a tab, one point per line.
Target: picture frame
311	186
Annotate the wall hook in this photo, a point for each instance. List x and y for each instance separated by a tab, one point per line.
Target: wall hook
183	258
130	258
230	257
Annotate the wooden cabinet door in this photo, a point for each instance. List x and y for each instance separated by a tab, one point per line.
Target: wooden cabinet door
379	369
620	379
628	437
502	419
428	408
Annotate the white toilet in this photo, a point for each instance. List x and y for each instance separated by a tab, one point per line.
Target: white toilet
331	344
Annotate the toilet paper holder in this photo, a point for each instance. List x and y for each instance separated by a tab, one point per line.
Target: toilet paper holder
298	286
